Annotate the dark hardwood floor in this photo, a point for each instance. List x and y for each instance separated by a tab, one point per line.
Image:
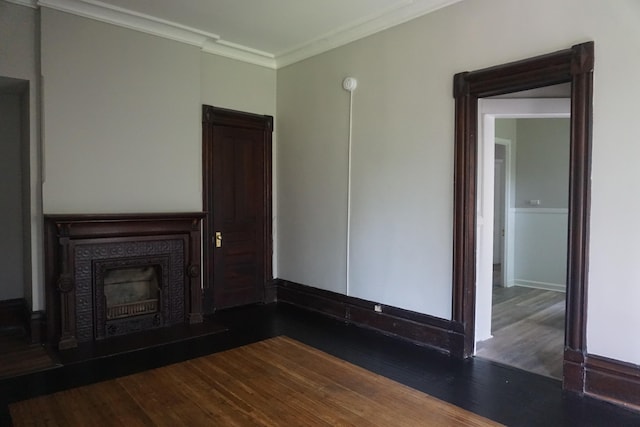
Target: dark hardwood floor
503	394
18	356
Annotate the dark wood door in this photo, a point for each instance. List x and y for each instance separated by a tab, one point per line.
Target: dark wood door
237	198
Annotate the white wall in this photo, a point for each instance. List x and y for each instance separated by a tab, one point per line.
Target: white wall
236	85
403	154
121	119
312	171
11	221
19	59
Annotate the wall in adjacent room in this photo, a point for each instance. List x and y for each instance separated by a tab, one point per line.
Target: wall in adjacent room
542	159
542	174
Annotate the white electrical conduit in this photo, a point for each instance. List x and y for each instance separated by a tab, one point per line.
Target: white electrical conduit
349	84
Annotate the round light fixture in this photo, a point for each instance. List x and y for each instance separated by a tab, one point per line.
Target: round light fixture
349	84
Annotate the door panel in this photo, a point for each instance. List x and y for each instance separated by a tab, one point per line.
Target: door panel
237	179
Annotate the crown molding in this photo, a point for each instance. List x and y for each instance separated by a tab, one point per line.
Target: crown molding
33	4
232	51
208	42
213	44
366	27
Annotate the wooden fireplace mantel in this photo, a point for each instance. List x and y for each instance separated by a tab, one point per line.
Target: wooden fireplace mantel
64	231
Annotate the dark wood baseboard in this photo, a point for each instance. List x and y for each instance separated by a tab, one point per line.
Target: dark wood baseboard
612	380
442	335
573	371
271	291
12	314
15	314
37	327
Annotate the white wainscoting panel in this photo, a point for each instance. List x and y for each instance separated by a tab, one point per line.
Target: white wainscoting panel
541	247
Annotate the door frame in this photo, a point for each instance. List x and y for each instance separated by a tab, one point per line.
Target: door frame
575	66
499	203
226	117
508	175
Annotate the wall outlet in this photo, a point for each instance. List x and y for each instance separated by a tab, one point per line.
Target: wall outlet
377	308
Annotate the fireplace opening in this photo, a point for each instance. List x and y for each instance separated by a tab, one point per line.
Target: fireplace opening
137	285
131	291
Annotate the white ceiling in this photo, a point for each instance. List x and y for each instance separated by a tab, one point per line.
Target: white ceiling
272	33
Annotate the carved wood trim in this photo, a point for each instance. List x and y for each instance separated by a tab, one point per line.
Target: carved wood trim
574	65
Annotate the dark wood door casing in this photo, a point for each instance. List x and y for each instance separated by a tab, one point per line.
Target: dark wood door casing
575	66
236	148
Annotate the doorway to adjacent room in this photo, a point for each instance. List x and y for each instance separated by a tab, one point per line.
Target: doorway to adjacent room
522	233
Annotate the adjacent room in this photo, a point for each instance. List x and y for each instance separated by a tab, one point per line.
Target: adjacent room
528	281
298	213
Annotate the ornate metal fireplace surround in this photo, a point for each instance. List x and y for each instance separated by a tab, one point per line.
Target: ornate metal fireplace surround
109	275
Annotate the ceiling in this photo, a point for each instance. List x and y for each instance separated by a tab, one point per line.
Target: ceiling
271	33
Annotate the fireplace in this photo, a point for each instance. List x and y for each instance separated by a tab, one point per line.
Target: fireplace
111	275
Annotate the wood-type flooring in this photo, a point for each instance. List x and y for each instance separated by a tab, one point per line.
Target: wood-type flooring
18	356
275	382
528	330
503	394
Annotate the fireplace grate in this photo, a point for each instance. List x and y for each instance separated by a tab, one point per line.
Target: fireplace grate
132	309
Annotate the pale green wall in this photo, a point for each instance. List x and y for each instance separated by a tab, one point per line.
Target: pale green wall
542	162
403	154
